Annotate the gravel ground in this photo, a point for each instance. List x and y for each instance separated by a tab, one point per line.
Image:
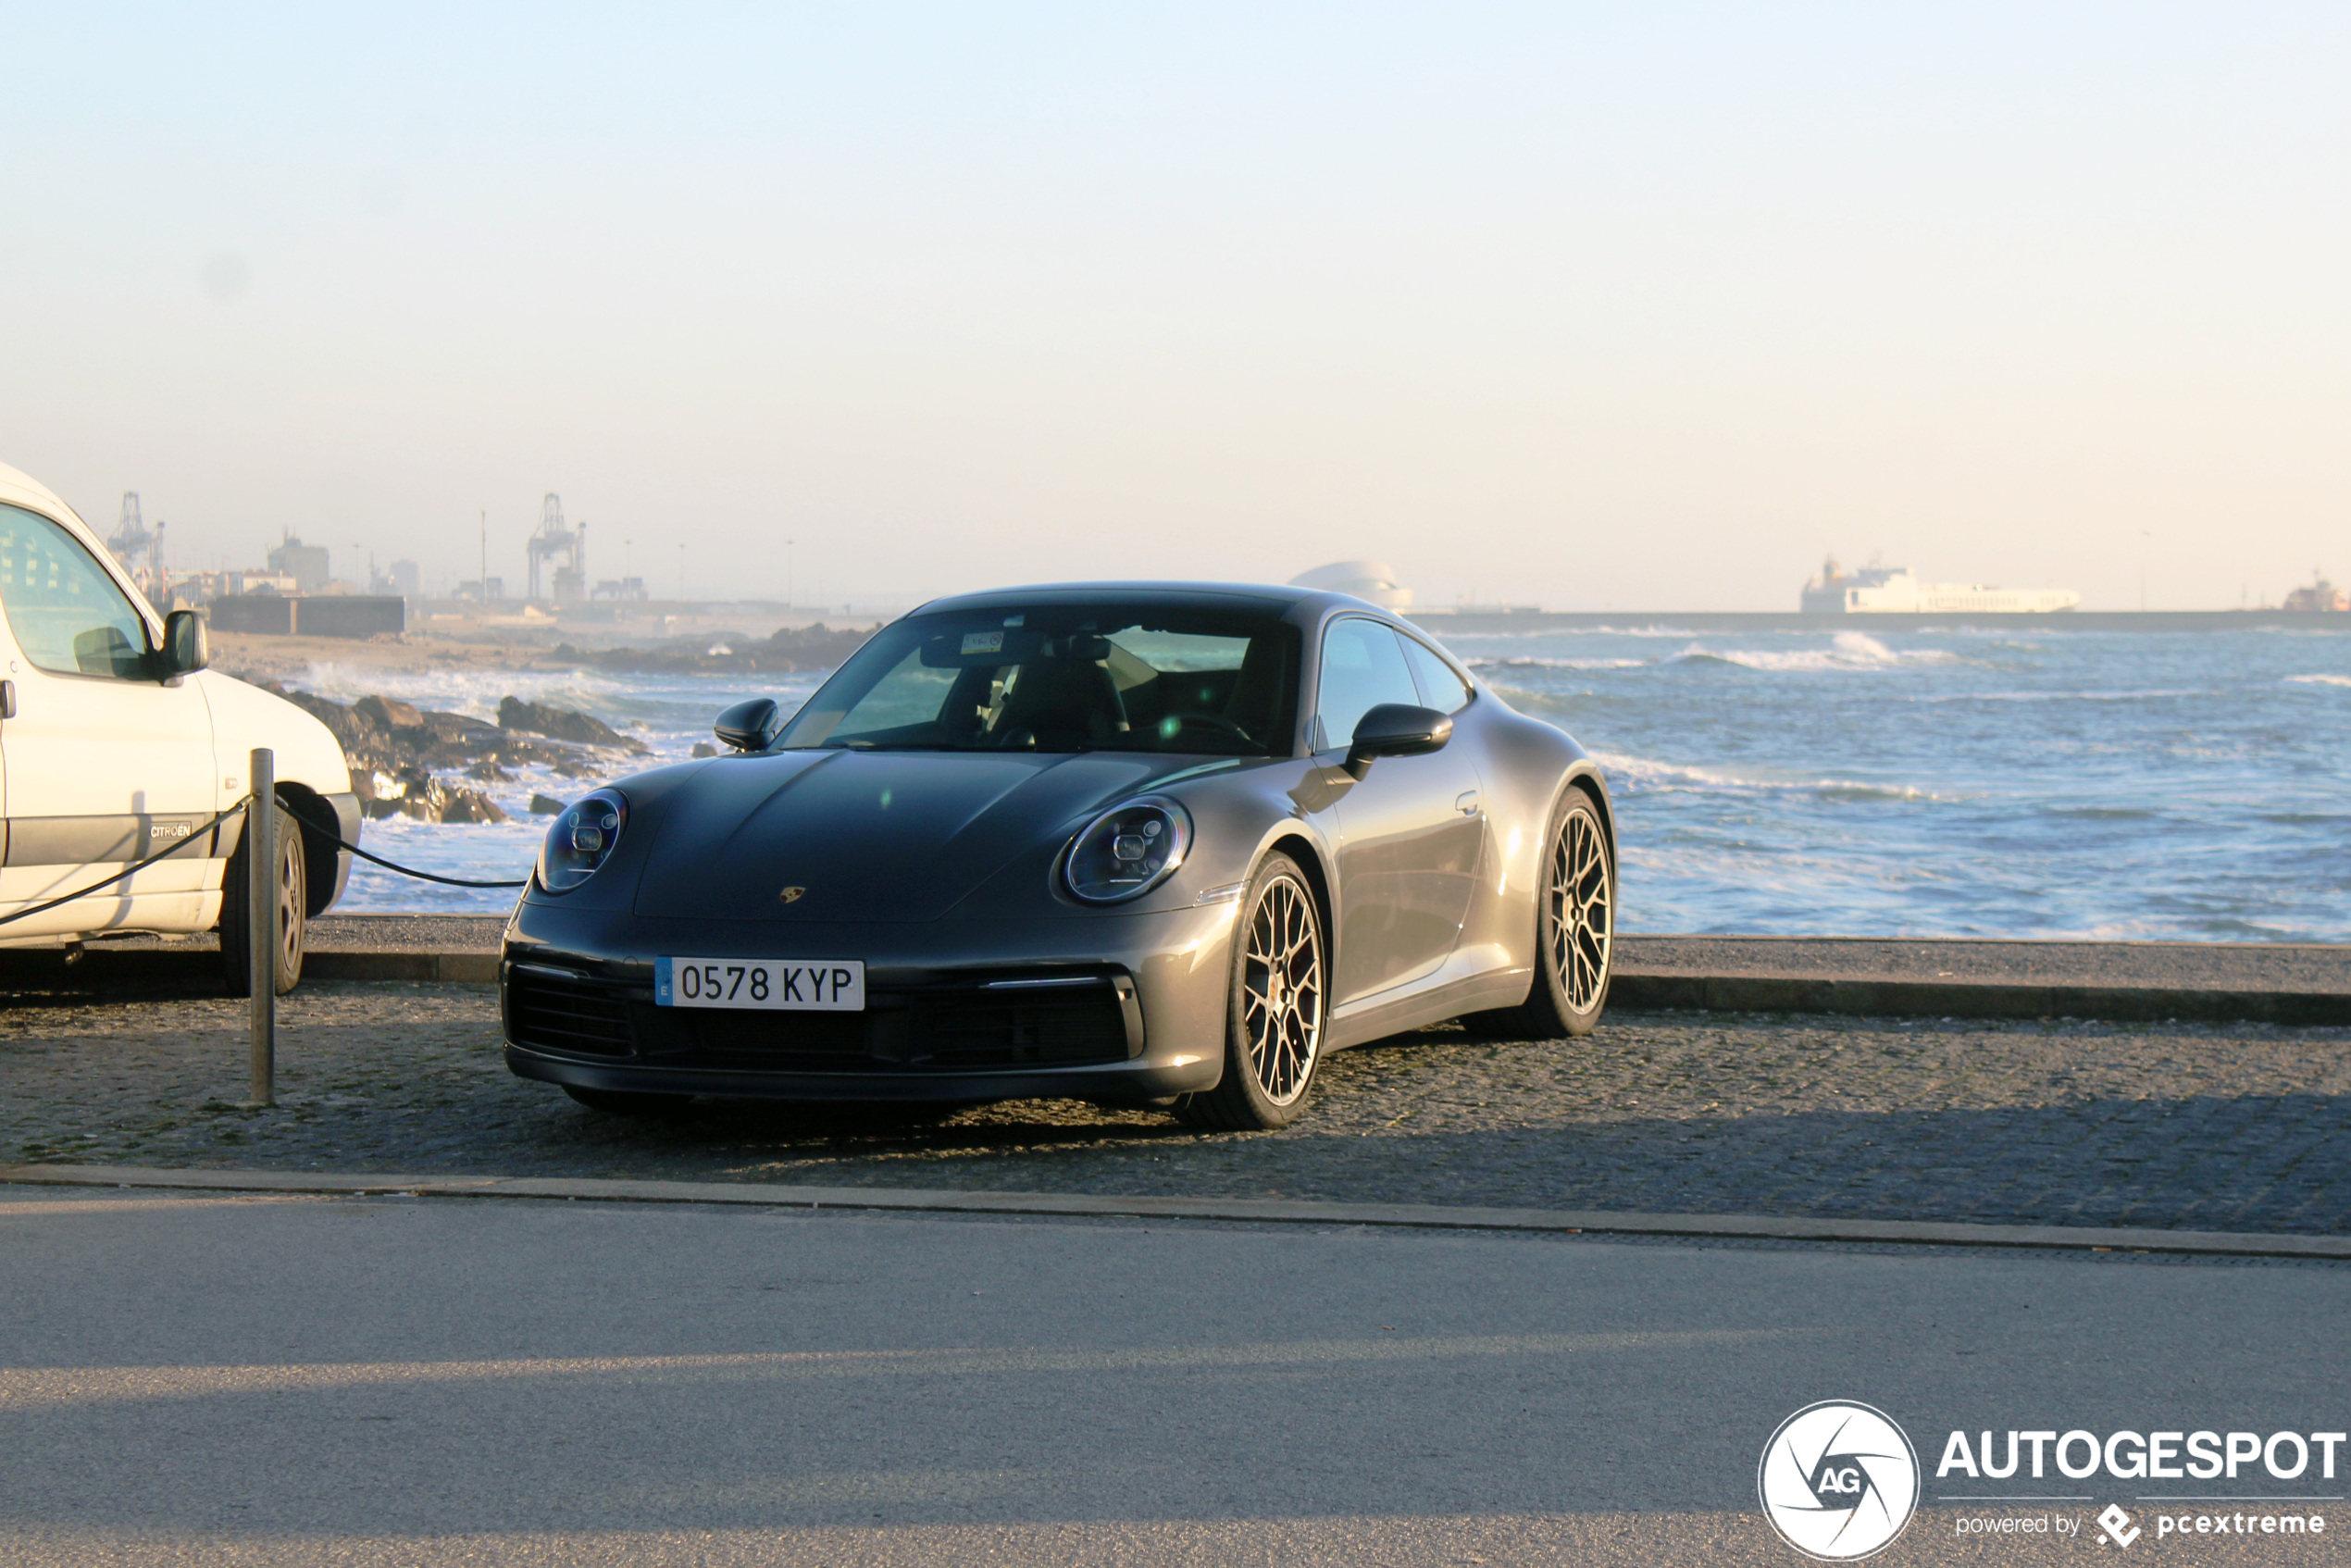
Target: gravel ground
2221	1128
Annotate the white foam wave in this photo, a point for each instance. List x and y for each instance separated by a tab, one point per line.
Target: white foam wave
2057	696
1643	776
472	692
1847	651
2322	679
1560	663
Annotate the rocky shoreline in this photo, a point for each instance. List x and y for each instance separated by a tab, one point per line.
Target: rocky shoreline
394	749
791	649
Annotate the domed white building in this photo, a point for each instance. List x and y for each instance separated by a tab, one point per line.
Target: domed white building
1371	581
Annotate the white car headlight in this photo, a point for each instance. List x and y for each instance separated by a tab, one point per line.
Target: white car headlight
1128	850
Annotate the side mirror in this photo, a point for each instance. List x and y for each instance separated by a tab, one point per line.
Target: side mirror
751	726
185	648
1396	729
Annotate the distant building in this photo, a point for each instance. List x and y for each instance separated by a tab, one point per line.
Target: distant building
400	579
621	588
2321	595
306	564
1371	580
199	588
1875	590
491	592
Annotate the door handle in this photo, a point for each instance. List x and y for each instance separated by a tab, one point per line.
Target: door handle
1466	802
7	699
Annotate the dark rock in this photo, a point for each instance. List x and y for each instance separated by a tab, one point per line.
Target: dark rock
394	750
349	726
389	713
559	724
427	799
469	805
546	805
704	748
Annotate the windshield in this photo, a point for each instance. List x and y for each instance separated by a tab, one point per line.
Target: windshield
1065	678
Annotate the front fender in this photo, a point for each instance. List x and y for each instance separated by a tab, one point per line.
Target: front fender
245	718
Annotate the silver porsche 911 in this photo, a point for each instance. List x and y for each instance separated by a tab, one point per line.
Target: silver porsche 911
1159	844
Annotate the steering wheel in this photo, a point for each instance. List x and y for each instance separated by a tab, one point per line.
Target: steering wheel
1215	721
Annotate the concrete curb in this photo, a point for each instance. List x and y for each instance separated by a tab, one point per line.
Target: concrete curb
1970	998
1255	1211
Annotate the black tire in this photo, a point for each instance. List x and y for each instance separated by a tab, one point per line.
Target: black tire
629	1103
1278	1002
293	911
1574	932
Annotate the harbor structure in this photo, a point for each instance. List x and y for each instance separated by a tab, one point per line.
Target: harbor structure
1879	590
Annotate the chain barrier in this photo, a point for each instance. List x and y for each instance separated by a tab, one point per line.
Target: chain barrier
411	871
197	836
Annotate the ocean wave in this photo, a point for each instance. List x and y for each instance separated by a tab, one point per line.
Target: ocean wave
1847	651
2320	679
1560	663
472	692
1643	776
2057	696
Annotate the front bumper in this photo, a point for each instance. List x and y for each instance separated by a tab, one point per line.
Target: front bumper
1118	1008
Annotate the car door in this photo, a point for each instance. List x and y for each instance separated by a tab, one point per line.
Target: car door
103	762
1410	830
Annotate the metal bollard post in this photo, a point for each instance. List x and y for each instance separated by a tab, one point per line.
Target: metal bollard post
261	922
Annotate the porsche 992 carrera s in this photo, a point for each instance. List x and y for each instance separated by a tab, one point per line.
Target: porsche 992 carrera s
1141	845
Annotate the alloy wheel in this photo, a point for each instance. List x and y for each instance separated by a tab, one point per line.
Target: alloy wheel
1577	914
1282	991
291	902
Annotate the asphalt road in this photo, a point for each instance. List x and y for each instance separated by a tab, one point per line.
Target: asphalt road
422	1382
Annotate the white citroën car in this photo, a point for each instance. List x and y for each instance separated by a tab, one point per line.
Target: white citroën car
115	743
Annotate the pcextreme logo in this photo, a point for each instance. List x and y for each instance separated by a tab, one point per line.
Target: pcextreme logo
1838	1480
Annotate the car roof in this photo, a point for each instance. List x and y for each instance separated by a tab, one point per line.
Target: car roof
18	488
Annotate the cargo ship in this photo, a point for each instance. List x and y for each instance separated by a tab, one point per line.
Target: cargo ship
1891	590
2321	595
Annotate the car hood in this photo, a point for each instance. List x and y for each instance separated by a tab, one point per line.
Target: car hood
866	834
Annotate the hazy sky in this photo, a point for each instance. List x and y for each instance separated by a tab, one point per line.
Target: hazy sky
1600	308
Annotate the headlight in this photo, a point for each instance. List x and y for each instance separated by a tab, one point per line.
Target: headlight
1128	850
581	840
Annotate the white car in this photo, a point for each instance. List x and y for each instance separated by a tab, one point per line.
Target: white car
116	742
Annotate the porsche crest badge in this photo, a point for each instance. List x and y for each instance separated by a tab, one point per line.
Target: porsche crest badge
792	895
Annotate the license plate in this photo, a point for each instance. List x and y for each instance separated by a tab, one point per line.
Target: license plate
824	985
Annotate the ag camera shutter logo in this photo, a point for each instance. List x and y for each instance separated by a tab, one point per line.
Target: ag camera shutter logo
1838	1480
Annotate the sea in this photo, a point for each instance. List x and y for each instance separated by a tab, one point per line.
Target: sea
1973	781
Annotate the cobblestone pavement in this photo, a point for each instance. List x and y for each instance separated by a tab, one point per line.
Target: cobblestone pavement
2223	1128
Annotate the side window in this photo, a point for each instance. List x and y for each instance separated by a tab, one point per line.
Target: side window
68	615
1440	687
1362	668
